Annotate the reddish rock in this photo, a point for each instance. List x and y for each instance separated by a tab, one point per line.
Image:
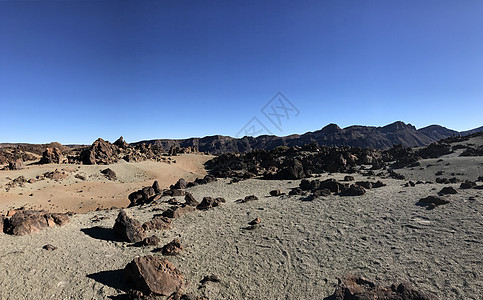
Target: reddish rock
177	211
121	143
209	202
152	275
353	288
151	241
101	152
158	223
52	156
190	200
172	248
129	229
29	221
16	165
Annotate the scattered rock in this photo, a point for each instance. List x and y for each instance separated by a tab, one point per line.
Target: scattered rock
129	229
29	221
467	185
178	211
52	156
432	201
49	247
447	190
158	223
209	202
190	200
248	198
354	190
79	176
210	278
348	178
357	288
172	248
109	173
255	221
151	241
152	275
275	193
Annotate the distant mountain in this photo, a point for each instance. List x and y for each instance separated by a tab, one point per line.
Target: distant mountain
331	135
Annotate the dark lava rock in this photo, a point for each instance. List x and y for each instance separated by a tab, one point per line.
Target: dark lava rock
357	288
210	278
190	200
16	164
447	190
142	196
348	178
177	211
109	173
354	190
101	152
128	229
296	191
121	143
29	221
467	185
151	241
275	193
49	247
432	201
181	184
152	275
157	223
172	248
321	193
209	202
157	189
249	198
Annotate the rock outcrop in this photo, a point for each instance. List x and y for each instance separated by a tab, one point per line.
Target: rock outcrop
24	222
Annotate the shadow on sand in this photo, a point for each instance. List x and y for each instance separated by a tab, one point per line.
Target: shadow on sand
114	279
101	233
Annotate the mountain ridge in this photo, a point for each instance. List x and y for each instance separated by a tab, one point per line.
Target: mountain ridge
378	137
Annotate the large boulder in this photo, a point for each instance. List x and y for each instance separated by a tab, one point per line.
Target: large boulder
357	288
16	164
29	221
432	201
52	156
152	275
101	152
209	202
129	229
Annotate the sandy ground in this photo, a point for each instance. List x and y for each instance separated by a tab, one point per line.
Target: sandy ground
75	195
297	253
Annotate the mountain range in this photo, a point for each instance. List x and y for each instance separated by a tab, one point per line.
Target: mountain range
331	135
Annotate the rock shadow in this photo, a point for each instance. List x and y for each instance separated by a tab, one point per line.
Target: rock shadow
101	233
111	278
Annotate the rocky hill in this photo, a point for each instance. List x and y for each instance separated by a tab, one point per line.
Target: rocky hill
331	135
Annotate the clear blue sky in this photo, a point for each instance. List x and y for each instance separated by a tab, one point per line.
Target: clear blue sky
72	71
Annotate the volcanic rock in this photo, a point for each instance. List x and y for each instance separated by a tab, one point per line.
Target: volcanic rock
178	211
52	156
16	164
275	193
152	275
467	185
129	229
158	223
109	173
151	241
49	247
248	198
357	288
447	190
432	201
190	200
121	143
172	248
101	152
209	202
354	190
28	221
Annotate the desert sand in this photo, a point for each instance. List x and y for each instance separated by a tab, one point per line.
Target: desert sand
76	195
298	252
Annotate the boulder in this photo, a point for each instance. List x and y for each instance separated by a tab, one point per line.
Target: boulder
352	288
16	164
249	198
209	202
151	241
447	190
109	173
157	189
129	229
467	185
354	190
190	200
158	223
275	193
181	184
101	152
172	248
142	196
152	275
177	211
432	201
29	221
294	171
52	156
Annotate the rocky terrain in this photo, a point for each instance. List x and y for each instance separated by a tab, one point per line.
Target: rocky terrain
331	135
292	222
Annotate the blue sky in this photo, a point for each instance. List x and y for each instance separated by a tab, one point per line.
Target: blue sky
72	71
